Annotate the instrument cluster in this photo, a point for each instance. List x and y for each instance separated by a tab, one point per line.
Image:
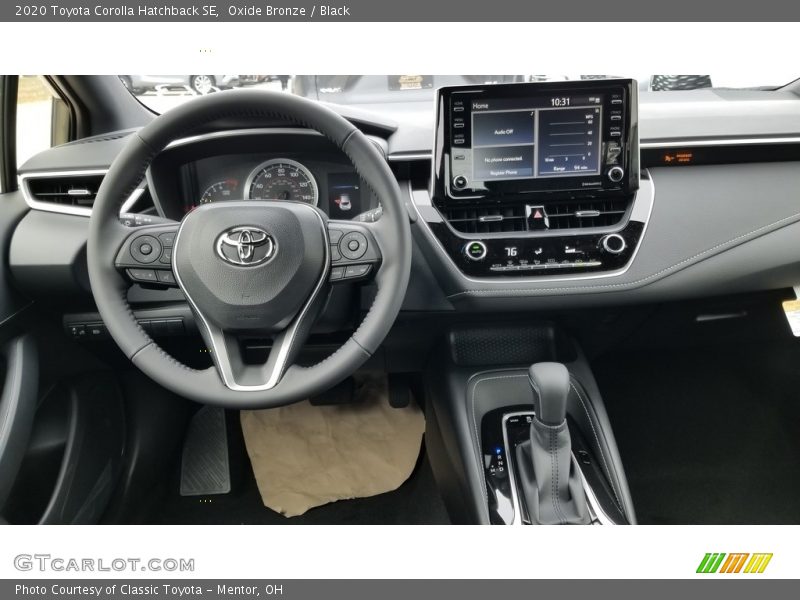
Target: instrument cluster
333	187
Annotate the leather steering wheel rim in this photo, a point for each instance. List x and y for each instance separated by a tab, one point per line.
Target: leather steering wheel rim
107	235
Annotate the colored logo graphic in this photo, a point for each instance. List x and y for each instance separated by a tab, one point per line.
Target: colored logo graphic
741	562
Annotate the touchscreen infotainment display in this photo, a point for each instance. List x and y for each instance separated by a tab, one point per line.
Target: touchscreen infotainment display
545	137
499	140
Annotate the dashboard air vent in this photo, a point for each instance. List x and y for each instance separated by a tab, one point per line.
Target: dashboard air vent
572	214
77	191
487	219
586	213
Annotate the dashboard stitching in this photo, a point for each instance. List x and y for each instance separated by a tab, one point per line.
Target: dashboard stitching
533	291
599	446
476	437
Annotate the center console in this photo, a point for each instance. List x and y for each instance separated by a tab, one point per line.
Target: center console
537	179
516	428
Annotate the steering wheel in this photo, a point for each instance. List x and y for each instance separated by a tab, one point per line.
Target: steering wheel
249	269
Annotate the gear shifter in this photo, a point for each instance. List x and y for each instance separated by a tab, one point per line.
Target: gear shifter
549	478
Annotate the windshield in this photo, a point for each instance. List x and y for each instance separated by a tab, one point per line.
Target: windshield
162	92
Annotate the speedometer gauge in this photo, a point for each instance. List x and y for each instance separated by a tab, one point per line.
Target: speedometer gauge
282	179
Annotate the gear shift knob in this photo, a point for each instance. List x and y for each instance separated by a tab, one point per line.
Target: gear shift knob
550	383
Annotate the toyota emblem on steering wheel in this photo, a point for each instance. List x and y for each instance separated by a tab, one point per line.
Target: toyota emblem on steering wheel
245	246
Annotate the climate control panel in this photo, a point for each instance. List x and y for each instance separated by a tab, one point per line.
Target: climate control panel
529	256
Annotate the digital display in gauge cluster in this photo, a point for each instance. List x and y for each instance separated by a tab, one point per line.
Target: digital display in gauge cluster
344	195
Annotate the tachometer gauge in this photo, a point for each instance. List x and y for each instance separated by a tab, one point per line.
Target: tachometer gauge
221	190
282	179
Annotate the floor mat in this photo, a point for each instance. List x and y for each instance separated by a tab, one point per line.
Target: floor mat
305	456
708	436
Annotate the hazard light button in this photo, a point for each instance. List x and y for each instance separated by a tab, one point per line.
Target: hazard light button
537	218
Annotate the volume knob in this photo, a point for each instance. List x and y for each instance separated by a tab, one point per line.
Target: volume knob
460	182
614	243
616	174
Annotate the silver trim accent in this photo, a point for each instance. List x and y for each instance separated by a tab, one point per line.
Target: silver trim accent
399	157
641	211
615	236
596	511
280	161
218	337
80	211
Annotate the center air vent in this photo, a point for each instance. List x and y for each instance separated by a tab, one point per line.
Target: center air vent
572	214
487	219
68	190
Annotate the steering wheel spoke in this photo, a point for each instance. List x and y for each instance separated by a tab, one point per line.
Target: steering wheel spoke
354	250
237	372
146	255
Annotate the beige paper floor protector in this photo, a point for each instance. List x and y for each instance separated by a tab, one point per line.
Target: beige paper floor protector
305	456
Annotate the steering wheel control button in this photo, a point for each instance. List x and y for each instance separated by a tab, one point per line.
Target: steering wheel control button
166	277
143	275
145	249
614	243
166	256
76	331
335	254
356	271
336	273
335	235
168	238
616	174
475	251
353	245
96	331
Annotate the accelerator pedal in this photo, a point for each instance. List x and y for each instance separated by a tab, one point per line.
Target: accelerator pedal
205	469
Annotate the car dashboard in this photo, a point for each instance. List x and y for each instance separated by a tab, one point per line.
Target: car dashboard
702	210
